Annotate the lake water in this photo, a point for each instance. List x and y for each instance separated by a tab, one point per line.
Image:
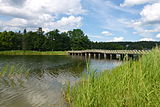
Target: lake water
43	87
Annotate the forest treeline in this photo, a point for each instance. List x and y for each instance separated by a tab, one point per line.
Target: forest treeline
61	41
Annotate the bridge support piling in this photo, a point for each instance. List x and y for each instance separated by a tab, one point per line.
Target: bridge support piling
118	56
105	56
89	55
110	56
94	55
85	54
99	56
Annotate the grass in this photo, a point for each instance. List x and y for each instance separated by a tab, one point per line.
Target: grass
12	75
33	53
133	84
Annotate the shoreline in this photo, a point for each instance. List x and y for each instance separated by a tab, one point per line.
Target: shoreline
33	52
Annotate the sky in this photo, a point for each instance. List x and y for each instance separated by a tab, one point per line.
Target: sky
101	20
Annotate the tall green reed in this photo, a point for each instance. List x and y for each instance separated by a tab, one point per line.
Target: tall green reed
134	83
12	75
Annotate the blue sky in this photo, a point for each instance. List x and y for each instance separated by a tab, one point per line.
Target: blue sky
101	20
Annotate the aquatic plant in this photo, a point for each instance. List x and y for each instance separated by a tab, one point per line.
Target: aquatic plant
12	75
134	83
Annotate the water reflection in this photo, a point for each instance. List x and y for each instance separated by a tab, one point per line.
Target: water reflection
101	65
48	74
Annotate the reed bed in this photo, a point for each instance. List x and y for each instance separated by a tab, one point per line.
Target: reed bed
33	53
133	84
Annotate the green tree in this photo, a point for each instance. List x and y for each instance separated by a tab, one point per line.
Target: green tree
58	41
51	39
79	41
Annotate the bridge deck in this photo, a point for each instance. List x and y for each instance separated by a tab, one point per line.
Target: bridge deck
113	51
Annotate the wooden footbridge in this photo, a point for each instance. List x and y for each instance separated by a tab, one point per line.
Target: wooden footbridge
110	54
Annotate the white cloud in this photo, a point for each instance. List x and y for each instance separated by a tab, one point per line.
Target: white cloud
68	23
107	33
136	2
32	7
149	22
64	24
158	35
150	14
41	13
117	39
141	29
147	39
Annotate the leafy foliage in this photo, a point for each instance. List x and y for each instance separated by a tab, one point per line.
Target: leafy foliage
62	41
40	41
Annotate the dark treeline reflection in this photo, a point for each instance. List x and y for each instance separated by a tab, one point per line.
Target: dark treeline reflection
61	41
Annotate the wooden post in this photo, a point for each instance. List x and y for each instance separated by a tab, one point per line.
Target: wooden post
110	56
89	54
99	56
85	54
94	55
118	56
105	56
